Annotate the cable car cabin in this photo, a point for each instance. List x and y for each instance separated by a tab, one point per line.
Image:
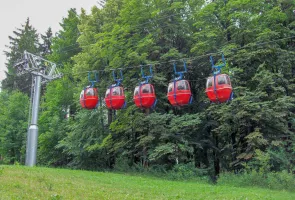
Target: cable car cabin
115	98
89	98
181	94
223	88
146	97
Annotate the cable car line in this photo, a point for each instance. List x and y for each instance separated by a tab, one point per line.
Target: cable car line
261	43
216	82
187	59
139	66
171	61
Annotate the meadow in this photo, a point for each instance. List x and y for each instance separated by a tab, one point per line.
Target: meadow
19	182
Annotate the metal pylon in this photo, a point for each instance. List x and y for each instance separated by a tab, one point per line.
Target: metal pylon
40	69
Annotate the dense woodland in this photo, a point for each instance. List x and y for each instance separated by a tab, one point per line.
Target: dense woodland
253	131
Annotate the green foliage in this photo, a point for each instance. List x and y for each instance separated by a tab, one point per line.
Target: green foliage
272	180
260	162
55	197
14	108
58	100
254	131
80	142
23	39
45	47
187	172
122	165
65	45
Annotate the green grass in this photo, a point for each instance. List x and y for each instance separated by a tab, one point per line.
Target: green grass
18	182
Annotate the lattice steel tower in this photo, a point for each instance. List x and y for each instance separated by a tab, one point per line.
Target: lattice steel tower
40	69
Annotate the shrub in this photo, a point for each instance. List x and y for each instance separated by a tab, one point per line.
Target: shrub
272	180
121	164
187	172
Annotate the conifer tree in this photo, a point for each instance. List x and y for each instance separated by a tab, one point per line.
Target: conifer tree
45	46
23	39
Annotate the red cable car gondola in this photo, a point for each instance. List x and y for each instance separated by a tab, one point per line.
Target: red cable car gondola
218	87
144	94
115	97
89	96
179	91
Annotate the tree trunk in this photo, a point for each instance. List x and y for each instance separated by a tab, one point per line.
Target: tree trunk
110	117
216	158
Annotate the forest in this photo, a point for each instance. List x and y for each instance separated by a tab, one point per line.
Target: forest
253	132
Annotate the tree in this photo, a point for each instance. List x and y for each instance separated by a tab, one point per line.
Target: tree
25	38
258	123
64	44
13	126
45	46
58	100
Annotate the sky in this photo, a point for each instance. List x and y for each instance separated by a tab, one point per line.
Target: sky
42	13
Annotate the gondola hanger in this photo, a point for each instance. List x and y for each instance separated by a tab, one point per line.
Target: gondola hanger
89	96
218	87
144	94
115	97
179	91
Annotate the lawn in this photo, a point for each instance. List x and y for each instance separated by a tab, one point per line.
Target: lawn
18	182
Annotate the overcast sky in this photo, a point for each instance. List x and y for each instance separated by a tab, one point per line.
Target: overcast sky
42	14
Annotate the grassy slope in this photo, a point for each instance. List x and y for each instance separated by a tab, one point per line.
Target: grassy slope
17	182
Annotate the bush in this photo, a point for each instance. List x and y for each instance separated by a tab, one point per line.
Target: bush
178	172
272	180
281	180
121	164
187	172
158	169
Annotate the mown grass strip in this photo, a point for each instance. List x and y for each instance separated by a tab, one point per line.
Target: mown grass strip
18	182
